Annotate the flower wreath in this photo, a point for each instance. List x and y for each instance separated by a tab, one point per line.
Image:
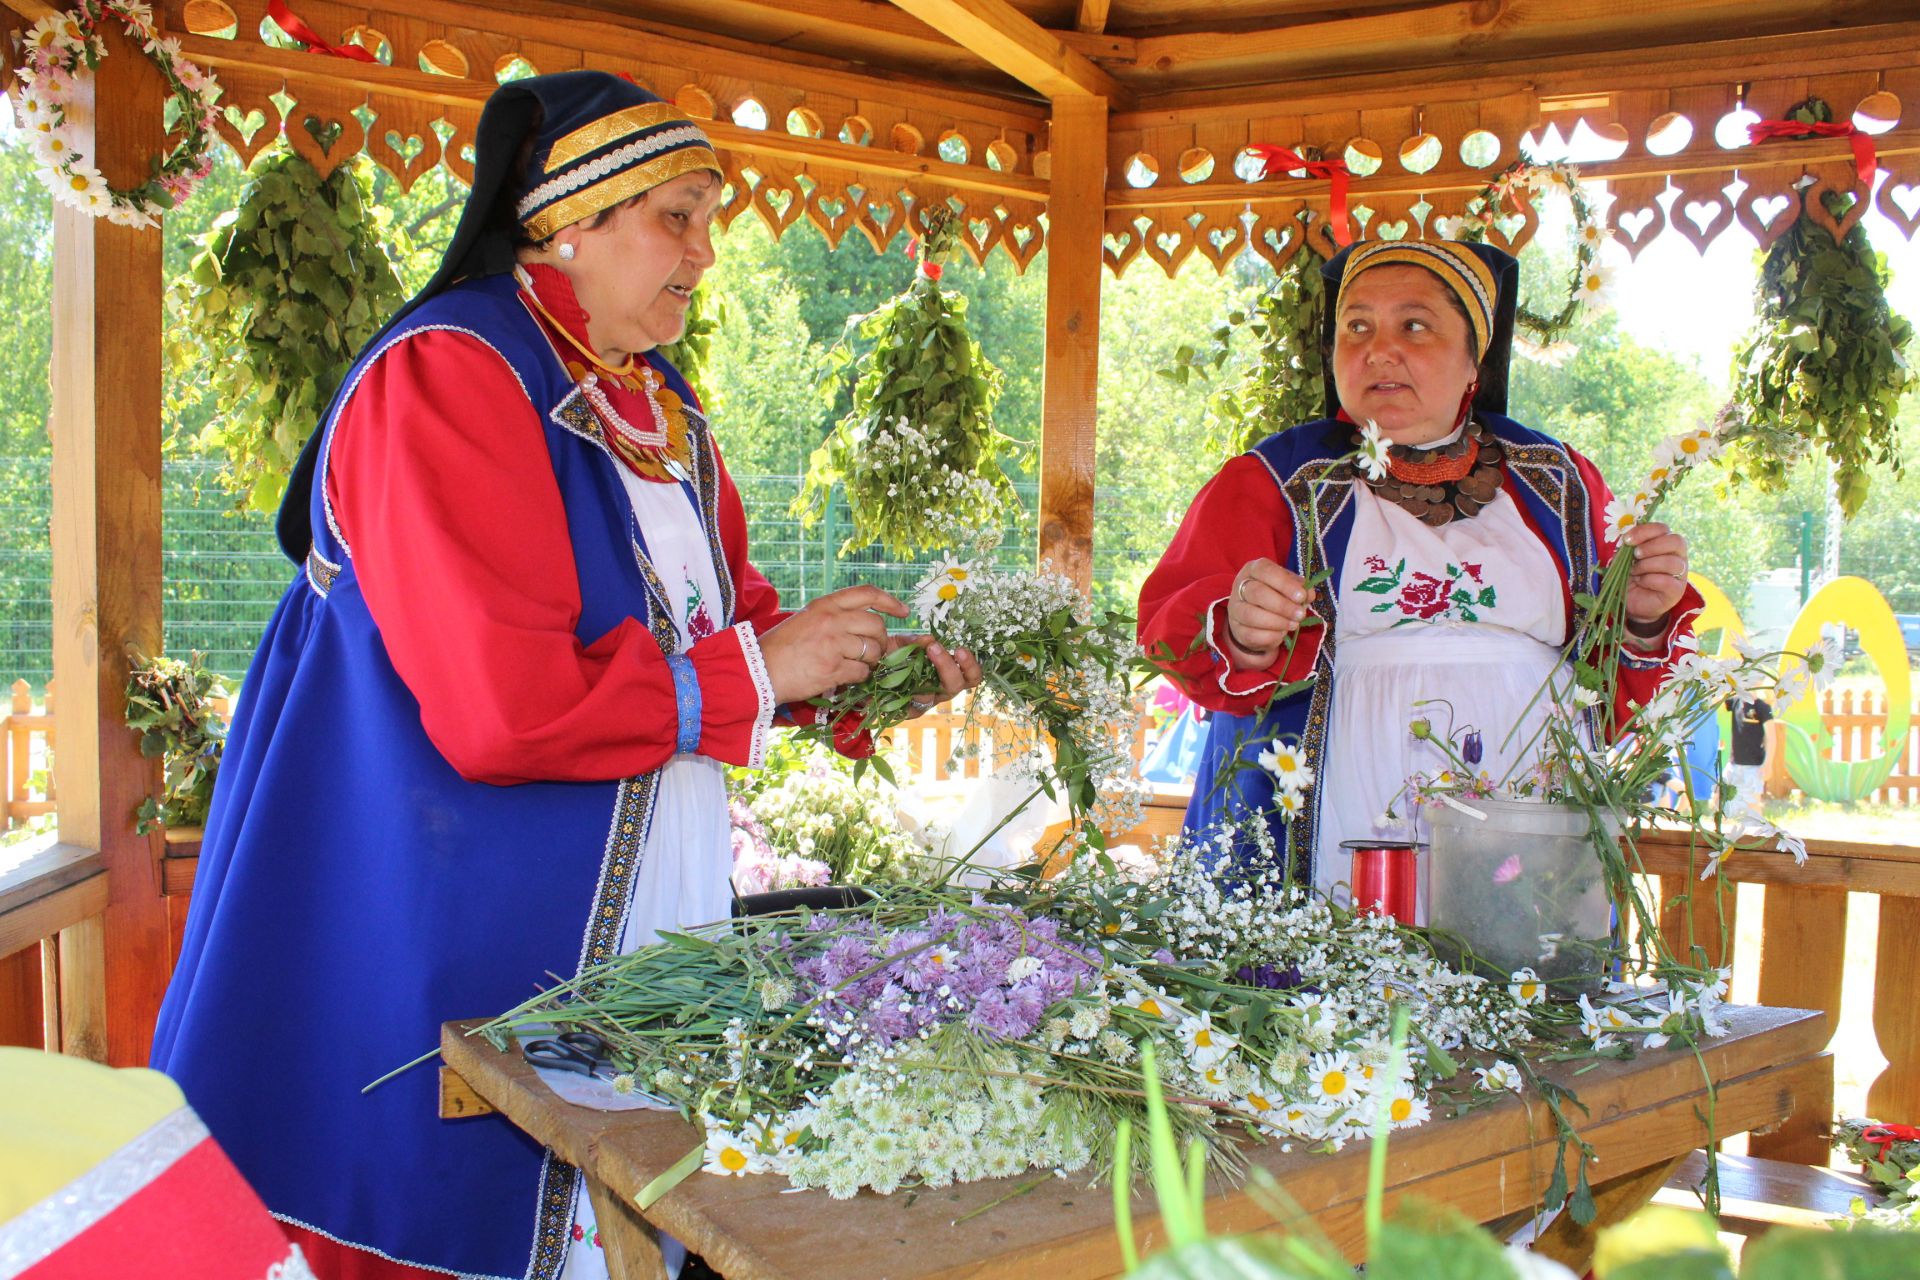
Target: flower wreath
62	50
1525	180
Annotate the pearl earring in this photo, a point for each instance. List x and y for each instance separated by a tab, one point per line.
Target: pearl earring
566	252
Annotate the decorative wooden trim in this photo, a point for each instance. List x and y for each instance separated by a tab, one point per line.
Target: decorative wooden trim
1019	46
824	154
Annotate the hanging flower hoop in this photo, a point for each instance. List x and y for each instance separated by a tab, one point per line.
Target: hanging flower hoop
1523	183
63	51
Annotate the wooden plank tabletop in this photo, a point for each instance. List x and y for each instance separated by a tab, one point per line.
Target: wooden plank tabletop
1492	1163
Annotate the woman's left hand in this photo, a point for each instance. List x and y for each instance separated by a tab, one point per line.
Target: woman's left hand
1659	576
959	670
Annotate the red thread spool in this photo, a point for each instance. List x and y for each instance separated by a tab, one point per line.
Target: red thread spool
1385	877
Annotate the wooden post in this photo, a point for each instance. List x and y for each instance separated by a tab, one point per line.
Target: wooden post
106	562
1076	224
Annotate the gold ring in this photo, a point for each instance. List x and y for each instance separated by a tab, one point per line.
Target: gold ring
865	644
1240	592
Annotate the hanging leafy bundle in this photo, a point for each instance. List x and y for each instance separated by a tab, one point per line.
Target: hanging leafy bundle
171	703
1824	363
705	314
1281	381
917	452
285	290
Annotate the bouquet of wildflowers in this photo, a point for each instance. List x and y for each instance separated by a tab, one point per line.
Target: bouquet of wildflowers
816	826
937	1035
1058	677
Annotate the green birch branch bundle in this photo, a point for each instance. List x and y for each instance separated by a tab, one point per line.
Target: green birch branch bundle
918	452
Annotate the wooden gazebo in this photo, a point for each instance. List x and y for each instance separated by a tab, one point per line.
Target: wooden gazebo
1100	131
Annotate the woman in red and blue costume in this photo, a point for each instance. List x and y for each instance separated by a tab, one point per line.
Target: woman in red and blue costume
1451	578
485	736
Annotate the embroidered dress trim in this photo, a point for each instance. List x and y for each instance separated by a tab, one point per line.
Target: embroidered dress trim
626	841
762	685
686	701
706	468
292	1267
80	1205
659	616
559	1185
292	1221
326	445
321	572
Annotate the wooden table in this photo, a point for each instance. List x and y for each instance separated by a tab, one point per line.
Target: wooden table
1493	1165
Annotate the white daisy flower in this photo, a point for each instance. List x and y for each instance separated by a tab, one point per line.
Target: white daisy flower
1596	285
1289	802
1501	1075
1406	1107
1288	765
942	584
1621	516
730	1155
1823	661
1155	1004
1527	988
1333	1077
1203	1044
1595	234
1373	452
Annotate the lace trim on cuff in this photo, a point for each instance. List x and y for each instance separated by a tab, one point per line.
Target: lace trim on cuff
1662	654
763	686
1216	621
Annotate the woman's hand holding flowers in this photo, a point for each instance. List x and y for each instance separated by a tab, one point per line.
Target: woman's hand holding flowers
1658	580
835	640
1267	605
958	669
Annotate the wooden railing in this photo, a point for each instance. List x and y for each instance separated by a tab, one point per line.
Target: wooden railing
1803	957
53	952
26	747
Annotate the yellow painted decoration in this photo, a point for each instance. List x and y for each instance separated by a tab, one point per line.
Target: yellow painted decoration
1856	603
1718	613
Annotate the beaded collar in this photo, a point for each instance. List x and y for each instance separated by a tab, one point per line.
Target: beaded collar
1444	483
656	448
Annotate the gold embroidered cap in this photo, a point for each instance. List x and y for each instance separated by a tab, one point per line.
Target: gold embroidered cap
1459	268
604	139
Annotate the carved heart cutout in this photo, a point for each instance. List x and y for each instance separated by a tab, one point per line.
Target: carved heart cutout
881	214
467	153
1816	208
831	208
1220	238
1119	248
408	149
1901	204
1021	233
980	230
1168	241
324	132
1392	230
1766	208
246	125
1701	220
1510	225
1638	226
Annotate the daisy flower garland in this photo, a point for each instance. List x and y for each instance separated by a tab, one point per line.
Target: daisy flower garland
63	52
1521	184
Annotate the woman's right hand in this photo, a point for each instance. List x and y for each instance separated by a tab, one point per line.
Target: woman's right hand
835	640
1267	604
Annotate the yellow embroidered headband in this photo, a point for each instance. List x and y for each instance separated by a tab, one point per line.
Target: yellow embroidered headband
1458	268
634	146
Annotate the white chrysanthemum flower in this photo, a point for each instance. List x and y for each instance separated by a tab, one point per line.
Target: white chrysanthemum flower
1622	515
1333	1077
1595	234
1406	1106
1373	451
1596	285
1527	988
1501	1075
730	1155
942	584
1288	765
1155	1004
1823	661
1204	1045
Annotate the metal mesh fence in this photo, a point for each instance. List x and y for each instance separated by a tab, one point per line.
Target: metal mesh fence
224	573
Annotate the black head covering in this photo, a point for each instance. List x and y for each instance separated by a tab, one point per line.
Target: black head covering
554	109
1494	366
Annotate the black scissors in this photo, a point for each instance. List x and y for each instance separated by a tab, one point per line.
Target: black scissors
580	1052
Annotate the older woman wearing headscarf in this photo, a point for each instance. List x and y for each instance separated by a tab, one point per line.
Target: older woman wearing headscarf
1452	576
486	734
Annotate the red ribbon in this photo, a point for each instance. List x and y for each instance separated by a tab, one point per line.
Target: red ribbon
1864	159
1274	158
1883	1136
931	270
290	22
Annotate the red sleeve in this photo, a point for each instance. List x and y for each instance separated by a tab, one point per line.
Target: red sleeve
1239	516
439	476
1642	671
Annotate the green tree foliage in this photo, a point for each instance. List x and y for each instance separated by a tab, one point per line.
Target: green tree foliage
288	286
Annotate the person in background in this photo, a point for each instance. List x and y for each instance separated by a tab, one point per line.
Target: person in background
1747	753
